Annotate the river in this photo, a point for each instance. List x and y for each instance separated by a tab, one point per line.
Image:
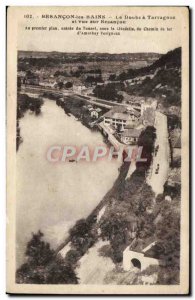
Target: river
51	197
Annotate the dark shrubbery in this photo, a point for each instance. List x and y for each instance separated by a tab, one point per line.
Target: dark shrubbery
171	59
127	213
83	236
147	140
24	103
107	92
42	266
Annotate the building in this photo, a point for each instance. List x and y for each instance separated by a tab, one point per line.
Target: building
148	116
121	116
31	79
91	75
148	103
130	136
174	178
79	88
138	256
48	83
21	74
95	113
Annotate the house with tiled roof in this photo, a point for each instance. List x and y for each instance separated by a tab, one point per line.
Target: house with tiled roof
174	178
121	116
148	117
31	79
130	136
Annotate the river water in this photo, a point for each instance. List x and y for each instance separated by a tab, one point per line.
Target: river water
51	197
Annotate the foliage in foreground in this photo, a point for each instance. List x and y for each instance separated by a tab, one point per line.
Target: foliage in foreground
43	266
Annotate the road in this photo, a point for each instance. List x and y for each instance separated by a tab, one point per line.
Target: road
157	181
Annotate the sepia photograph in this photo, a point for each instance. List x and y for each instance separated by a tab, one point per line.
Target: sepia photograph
98	143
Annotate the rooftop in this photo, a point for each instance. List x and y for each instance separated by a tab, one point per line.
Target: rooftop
149	115
121	113
175	176
145	246
132	132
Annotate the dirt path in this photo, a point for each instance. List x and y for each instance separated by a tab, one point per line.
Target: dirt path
93	267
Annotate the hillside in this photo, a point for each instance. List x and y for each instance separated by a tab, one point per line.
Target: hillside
161	80
87	57
171	59
108	63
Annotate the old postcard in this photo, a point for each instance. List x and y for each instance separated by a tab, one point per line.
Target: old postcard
98	150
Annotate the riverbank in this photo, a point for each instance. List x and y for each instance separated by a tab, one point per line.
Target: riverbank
77	107
46	198
92	217
26	103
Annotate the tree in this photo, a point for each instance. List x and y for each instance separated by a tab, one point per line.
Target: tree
72	257
108	92
82	235
112	77
147	140
68	85
19	83
60	73
38	251
168	244
93	79
43	266
61	273
81	68
25	102
114	227
60	85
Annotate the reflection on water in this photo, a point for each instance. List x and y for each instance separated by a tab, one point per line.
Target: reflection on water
51	197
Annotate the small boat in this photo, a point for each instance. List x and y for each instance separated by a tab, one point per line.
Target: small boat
72	160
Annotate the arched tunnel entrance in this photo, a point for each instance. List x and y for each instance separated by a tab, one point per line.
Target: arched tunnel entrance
136	263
